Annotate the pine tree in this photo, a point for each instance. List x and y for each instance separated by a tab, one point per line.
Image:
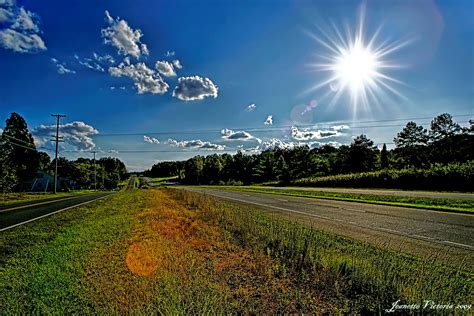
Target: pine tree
19	148
384	157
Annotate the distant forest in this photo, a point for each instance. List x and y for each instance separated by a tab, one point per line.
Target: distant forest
439	158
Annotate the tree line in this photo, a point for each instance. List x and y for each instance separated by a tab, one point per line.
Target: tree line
20	163
415	147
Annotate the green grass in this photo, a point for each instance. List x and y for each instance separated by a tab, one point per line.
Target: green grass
353	277
42	263
123	184
136	183
163	179
438	204
211	257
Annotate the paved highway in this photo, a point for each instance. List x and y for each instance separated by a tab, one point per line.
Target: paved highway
427	194
24	212
418	231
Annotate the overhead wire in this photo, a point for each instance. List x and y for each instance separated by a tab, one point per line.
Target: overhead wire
280	127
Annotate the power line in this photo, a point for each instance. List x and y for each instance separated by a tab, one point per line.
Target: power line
19	140
19	145
273	128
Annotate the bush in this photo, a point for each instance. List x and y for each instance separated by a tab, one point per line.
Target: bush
450	177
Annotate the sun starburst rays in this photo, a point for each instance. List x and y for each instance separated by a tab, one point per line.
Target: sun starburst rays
357	65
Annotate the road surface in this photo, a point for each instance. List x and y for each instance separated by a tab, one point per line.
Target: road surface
19	213
427	194
131	183
417	231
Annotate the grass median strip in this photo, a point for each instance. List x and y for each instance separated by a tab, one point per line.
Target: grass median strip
170	251
437	204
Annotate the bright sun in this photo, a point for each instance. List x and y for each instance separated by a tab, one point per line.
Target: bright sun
356	65
356	68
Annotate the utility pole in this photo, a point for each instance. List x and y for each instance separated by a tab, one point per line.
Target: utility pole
58	116
95	173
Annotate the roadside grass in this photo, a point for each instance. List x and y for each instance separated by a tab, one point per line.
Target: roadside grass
170	251
122	186
136	183
437	204
163	179
349	276
13	198
42	263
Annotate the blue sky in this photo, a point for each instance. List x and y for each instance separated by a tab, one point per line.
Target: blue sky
233	54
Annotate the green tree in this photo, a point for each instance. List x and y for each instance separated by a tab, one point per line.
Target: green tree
193	170
264	170
212	169
283	174
384	157
362	154
443	126
19	149
8	179
412	135
44	161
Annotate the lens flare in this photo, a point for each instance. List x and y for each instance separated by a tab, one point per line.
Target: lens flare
357	65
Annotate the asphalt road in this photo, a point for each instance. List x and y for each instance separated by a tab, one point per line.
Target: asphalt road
414	230
131	183
25	212
435	195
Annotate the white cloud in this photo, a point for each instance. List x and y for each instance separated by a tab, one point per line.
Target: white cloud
279	144
194	88
229	134
89	63
249	150
251	107
169	53
269	120
177	64
151	140
145	79
21	43
61	67
340	127
165	68
24	21
103	59
118	87
145	50
19	30
77	134
275	143
309	134
62	70
197	144
5	15
120	35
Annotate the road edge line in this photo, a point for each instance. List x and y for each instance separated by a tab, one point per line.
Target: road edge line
55	212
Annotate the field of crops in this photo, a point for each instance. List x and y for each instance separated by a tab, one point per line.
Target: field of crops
454	176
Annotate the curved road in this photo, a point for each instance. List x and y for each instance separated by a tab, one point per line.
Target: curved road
23	212
417	231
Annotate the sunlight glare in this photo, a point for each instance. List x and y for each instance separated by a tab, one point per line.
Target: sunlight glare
357	65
